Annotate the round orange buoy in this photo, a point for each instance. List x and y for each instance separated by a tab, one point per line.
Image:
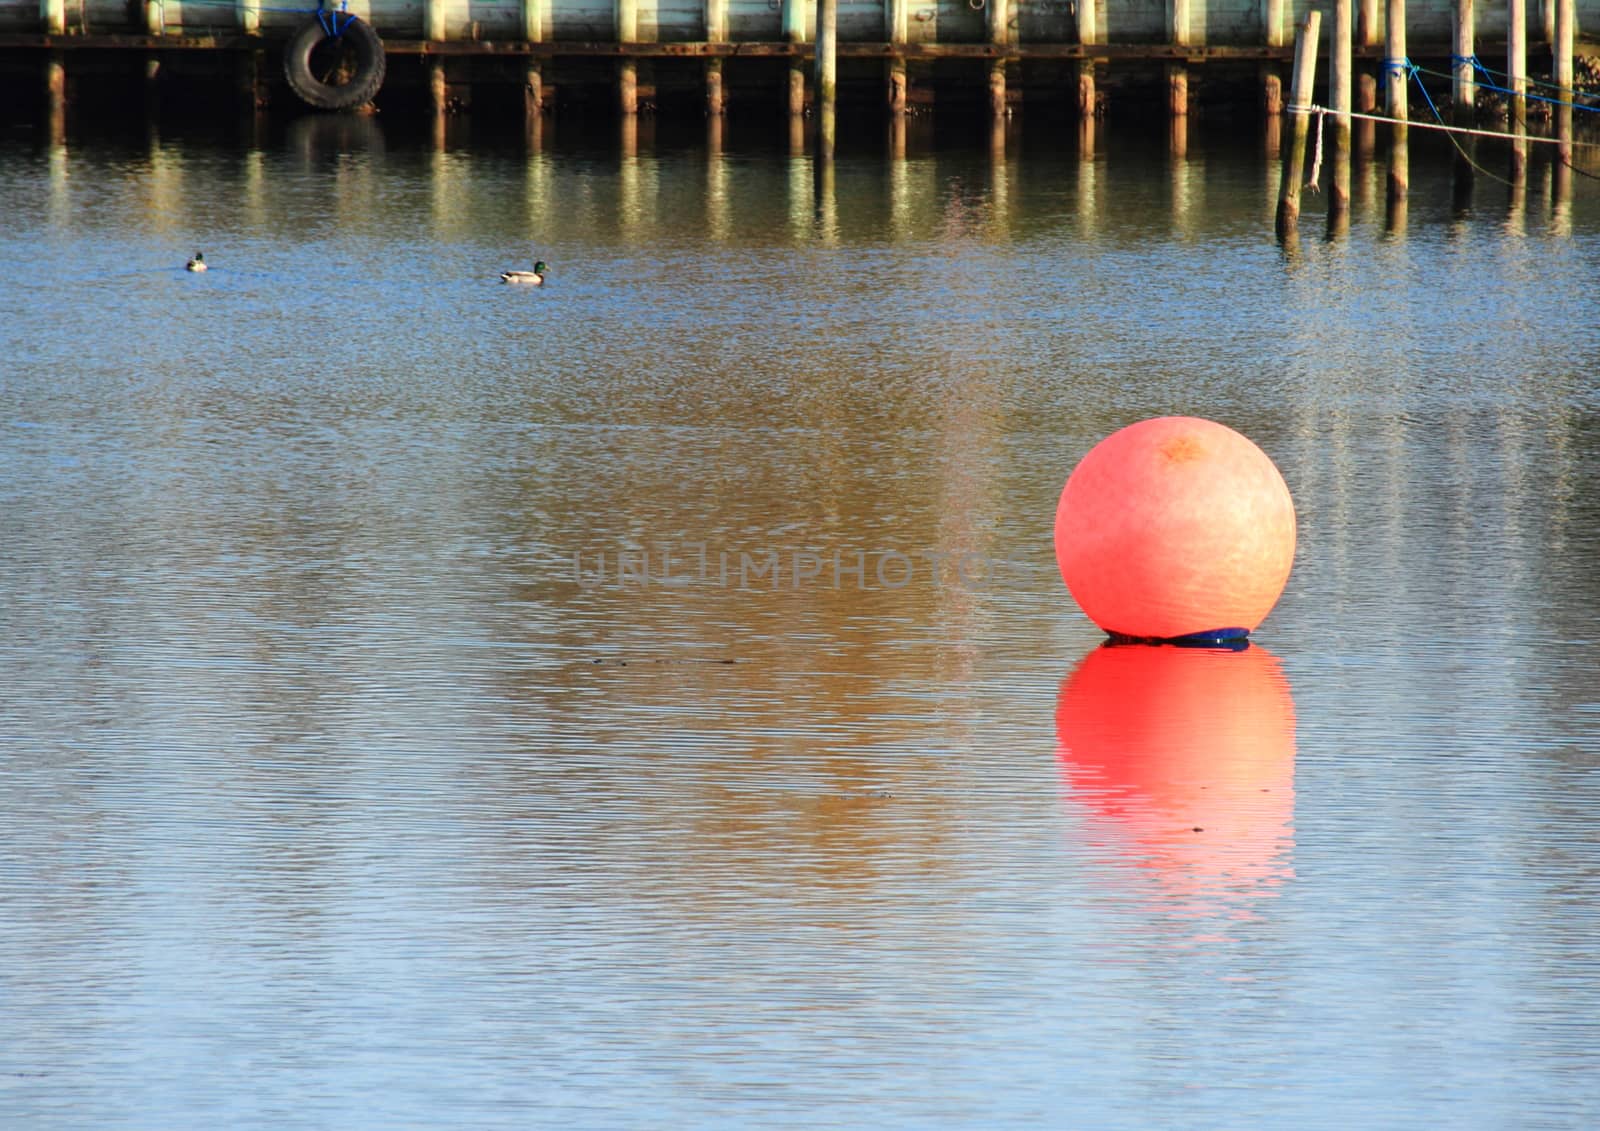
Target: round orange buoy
1183	758
1175	527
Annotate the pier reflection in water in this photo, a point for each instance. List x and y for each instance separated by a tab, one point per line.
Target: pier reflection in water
332	795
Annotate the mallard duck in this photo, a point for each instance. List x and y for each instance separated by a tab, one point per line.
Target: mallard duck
198	263
533	278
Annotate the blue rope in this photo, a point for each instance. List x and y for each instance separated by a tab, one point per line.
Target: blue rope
1489	84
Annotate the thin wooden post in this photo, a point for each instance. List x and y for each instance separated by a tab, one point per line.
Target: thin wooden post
433	25
532	90
716	32
1518	162
1561	174
53	17
827	75
714	99
1561	70
438	91
896	14
1464	87
628	86
1395	75
1340	73
55	93
999	16
249	14
1271	75
794	21
155	18
250	74
627	24
55	83
533	69
1517	57
1367	36
1301	83
1394	215
1088	32
1178	73
793	17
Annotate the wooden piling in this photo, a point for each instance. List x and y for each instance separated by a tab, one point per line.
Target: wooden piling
1561	173
1464	86
1517	58
53	17
1366	95
155	18
1561	48
827	75
999	18
1396	207
1271	74
1301	83
1088	32
433	22
249	16
1399	161
1518	164
715	104
1177	90
532	91
533	12
628	86
250	74
1340	74
716	13
438	90
627	24
1177	73
55	94
1395	76
55	82
797	88
793	17
896	14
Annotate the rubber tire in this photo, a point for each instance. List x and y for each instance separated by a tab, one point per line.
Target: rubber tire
370	66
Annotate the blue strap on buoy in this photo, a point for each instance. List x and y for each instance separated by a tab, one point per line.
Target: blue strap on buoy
1231	639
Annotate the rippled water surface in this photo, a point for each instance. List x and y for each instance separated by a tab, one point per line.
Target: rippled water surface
398	728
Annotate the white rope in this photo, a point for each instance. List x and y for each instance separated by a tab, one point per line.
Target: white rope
1314	109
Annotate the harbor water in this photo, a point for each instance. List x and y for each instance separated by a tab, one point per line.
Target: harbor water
650	699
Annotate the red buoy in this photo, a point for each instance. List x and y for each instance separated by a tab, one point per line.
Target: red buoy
1175	527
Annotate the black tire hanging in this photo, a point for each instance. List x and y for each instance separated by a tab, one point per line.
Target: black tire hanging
342	76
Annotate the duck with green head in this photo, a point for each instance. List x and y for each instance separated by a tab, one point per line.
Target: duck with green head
533	278
198	263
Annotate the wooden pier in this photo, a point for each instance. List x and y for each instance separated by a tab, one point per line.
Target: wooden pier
801	55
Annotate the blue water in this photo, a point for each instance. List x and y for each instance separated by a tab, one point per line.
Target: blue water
340	789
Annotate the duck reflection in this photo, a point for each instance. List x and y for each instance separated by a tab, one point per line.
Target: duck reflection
1183	760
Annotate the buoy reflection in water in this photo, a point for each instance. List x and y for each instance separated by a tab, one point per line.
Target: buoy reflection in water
1182	760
